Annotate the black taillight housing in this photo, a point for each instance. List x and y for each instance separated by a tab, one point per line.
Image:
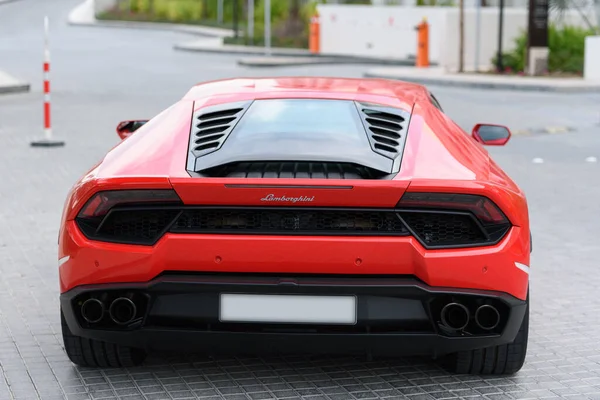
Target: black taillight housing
446	220
125	216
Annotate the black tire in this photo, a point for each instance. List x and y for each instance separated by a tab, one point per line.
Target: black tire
94	353
505	359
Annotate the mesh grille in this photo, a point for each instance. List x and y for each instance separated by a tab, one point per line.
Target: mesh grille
277	221
145	226
442	229
142	226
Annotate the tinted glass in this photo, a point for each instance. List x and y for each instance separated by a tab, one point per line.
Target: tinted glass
490	132
302	118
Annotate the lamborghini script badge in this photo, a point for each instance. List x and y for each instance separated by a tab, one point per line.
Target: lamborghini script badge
301	199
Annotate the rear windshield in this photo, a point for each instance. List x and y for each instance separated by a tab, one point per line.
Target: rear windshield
302	118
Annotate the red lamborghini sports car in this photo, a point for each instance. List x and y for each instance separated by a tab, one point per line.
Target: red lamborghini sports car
302	215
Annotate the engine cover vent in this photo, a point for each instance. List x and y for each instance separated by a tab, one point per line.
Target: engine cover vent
293	170
212	125
386	128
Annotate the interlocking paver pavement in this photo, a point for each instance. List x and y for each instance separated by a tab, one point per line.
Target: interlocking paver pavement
103	76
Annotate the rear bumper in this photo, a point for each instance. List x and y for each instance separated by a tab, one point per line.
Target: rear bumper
395	316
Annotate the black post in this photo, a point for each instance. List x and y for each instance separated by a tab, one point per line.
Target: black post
499	63
537	36
235	19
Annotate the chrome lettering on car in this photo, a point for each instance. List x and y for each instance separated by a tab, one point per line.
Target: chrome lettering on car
300	199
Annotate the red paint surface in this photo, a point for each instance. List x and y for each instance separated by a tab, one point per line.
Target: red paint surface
273	254
439	157
47	115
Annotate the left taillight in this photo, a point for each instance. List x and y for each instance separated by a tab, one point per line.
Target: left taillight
138	206
102	202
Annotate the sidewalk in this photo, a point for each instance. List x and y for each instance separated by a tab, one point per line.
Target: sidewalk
217	46
280	56
436	76
314	60
10	84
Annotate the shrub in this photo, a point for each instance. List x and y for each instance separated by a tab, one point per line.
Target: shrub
439	3
566	45
286	31
567	49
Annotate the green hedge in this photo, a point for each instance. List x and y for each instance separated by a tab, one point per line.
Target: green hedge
287	31
566	45
439	3
175	11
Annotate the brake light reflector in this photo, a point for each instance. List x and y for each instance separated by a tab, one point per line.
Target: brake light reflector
102	202
481	207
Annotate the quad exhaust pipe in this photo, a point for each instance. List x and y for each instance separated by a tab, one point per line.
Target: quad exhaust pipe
487	317
455	316
122	310
92	310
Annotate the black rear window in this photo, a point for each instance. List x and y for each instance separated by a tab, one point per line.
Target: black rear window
302	119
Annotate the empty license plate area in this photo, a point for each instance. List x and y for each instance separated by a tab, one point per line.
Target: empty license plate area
297	309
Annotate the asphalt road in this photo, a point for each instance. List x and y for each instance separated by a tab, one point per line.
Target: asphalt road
101	76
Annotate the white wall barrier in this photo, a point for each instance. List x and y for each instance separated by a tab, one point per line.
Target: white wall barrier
591	69
388	32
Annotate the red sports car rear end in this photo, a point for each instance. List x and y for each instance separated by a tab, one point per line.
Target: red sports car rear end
298	214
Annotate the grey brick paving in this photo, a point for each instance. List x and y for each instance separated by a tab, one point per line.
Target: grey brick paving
103	76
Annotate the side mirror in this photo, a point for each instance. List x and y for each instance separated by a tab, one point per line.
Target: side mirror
491	135
126	128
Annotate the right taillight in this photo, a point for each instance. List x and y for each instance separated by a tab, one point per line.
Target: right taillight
428	215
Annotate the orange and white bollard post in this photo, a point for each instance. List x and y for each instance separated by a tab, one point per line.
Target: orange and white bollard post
314	39
47	141
422	44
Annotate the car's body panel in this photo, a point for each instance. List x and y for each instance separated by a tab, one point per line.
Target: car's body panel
437	148
158	147
397	94
490	268
231	191
437	157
